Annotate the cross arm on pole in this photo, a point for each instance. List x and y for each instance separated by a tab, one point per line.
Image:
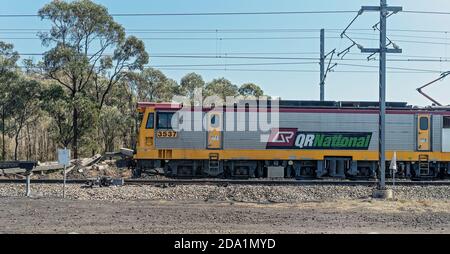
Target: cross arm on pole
394	9
370	50
377	50
370	8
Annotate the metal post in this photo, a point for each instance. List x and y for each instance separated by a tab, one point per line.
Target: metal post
393	177
382	118
322	64
28	189
64	182
383	9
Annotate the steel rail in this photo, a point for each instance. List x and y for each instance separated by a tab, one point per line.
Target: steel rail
241	182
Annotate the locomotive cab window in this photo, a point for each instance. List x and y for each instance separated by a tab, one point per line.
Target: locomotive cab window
446	122
150	121
423	123
164	120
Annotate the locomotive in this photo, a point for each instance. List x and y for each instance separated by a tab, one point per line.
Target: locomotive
312	139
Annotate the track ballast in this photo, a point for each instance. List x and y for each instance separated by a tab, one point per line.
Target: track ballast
240	182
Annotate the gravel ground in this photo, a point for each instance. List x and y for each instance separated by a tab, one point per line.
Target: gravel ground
236	193
54	215
214	209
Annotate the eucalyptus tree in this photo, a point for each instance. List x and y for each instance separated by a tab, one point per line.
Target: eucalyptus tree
87	49
221	87
152	85
8	75
190	82
25	106
250	89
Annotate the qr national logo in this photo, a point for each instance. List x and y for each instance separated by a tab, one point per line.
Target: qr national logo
291	138
282	137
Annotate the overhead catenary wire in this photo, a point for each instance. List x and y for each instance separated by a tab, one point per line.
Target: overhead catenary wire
391	68
238	30
195	68
197	38
418	57
233	64
252	38
249	57
24	15
301	63
397	35
428	12
12	31
172	30
342	64
205	57
289	70
213	30
18	15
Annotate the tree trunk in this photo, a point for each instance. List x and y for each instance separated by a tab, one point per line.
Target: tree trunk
28	143
3	134
16	139
75	133
46	145
35	142
132	128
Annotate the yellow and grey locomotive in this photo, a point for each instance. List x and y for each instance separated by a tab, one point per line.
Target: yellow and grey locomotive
311	139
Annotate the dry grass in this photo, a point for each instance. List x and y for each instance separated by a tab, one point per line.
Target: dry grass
394	206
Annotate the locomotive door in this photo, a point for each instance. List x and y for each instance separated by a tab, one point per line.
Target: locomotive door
423	132
214	139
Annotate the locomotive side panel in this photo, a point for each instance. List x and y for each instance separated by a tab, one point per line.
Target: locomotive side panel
400	132
400	137
184	139
248	140
436	133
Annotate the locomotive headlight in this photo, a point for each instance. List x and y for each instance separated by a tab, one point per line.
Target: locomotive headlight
290	163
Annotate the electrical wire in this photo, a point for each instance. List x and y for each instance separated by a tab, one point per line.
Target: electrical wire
428	12
232	13
253	38
391	68
243	56
199	13
291	70
232	64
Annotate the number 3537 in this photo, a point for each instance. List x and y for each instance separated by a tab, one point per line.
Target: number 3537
166	134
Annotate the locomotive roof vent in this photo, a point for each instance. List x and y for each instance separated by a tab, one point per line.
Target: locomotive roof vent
340	104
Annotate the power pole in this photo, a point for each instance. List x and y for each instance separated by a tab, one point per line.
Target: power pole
382	95
384	10
322	64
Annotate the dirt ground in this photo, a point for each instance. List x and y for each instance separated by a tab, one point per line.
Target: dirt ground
53	215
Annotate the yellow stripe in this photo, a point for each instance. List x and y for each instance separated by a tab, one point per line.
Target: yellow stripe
190	154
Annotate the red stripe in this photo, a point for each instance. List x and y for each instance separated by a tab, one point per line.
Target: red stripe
175	107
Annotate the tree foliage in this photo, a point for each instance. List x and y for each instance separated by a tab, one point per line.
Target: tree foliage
82	33
152	85
84	91
25	106
250	89
190	82
221	87
8	76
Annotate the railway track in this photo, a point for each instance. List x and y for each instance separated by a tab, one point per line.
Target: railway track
225	182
